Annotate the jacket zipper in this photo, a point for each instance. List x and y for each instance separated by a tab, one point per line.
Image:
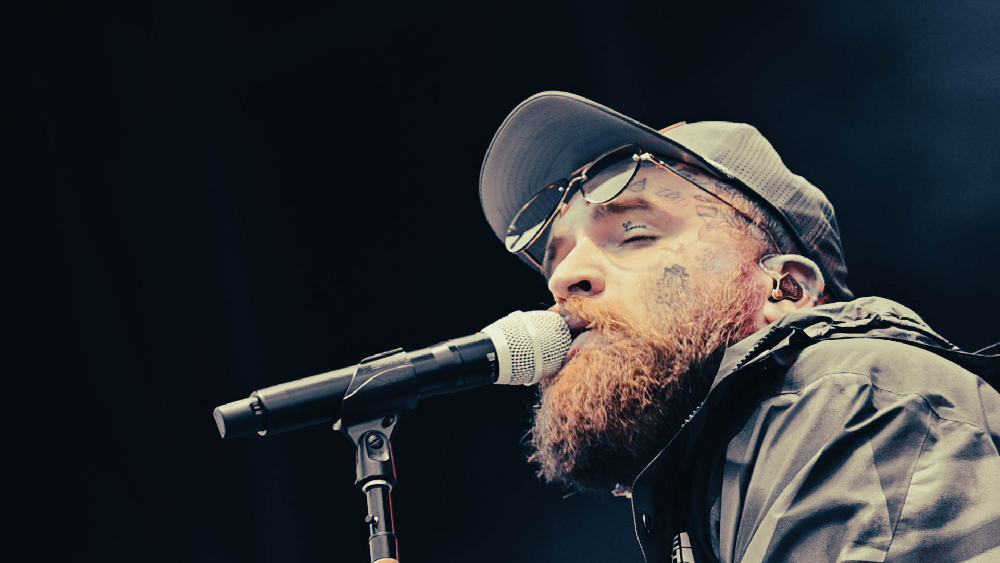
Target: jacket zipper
750	355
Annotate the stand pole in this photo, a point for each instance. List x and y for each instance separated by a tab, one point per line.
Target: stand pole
383	389
376	477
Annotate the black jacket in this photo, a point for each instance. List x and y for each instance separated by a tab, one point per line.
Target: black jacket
847	432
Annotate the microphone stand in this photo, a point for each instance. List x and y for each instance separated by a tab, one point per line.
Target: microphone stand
383	389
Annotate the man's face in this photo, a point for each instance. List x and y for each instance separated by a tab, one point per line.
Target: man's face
660	280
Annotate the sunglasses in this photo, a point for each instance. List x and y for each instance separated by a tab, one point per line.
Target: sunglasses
600	181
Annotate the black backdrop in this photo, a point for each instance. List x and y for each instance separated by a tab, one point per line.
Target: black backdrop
240	194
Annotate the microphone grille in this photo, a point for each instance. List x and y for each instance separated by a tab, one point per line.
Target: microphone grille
530	345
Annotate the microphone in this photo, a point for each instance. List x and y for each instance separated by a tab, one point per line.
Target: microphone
519	349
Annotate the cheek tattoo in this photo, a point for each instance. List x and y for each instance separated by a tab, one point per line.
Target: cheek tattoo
672	286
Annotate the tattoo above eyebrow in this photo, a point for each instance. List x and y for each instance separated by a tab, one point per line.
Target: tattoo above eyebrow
630	226
708	212
672	195
637	186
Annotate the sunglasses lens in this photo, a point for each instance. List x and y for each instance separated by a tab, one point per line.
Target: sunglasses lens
607	177
532	218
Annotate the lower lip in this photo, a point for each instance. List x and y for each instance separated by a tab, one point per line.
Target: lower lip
576	345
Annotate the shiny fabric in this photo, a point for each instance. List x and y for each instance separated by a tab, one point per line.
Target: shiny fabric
847	432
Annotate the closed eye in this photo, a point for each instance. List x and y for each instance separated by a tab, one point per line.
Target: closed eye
638	238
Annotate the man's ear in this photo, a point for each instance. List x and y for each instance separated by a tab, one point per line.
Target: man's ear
796	283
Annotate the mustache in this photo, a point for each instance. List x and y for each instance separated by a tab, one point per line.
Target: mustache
583	314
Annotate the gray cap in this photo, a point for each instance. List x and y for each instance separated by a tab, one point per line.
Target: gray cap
551	134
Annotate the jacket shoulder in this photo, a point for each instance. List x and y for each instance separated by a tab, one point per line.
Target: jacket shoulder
856	456
948	390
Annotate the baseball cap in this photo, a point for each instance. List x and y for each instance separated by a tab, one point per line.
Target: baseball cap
551	134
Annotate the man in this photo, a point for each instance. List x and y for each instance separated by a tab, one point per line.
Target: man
722	374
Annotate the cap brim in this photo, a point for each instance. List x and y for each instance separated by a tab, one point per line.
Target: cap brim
546	138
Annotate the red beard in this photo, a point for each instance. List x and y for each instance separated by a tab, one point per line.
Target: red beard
614	406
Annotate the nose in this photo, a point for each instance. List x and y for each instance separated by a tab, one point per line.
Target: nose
582	272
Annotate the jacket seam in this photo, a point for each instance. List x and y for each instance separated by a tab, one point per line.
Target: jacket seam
930	407
920	453
909	487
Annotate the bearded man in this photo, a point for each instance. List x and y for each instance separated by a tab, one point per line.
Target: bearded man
722	374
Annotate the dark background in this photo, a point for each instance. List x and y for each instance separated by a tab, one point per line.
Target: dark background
232	195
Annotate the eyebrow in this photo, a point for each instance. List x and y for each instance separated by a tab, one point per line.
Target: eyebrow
601	211
621	207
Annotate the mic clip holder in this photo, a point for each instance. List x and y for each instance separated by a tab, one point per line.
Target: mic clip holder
383	388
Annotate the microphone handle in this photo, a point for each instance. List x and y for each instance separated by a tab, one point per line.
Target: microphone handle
450	366
456	365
